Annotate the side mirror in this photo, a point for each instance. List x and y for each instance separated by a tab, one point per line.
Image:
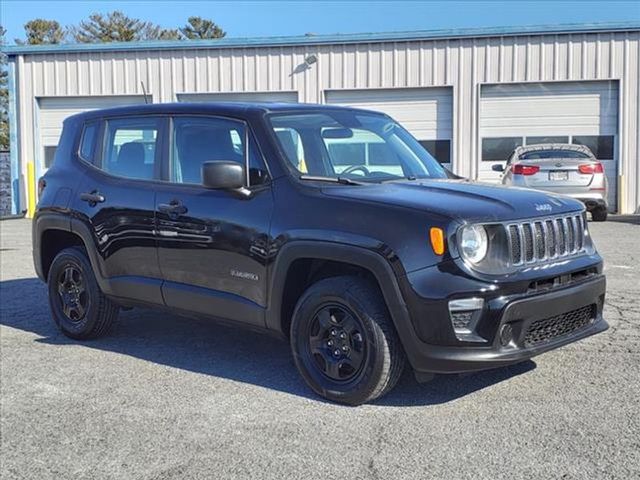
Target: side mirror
497	167
223	175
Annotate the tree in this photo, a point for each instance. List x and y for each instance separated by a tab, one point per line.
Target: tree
158	33
198	28
40	31
112	27
4	96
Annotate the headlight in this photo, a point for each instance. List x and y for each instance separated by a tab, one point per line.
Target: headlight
474	243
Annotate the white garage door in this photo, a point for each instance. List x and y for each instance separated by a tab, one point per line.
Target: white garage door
425	112
287	97
53	111
566	112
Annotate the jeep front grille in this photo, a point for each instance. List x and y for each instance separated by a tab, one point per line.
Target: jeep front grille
535	241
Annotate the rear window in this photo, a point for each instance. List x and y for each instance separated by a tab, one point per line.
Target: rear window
544	154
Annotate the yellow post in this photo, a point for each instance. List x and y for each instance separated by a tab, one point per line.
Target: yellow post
31	189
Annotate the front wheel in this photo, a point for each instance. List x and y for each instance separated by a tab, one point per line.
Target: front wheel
77	304
343	341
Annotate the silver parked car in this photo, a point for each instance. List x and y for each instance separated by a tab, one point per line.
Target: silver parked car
566	169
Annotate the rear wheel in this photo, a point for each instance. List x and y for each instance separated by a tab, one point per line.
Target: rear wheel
599	214
77	304
343	341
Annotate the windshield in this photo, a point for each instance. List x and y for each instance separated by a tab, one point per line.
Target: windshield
347	144
543	154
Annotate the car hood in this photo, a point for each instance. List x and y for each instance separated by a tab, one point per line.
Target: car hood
462	200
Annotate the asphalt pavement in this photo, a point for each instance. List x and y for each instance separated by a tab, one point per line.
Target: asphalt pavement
164	397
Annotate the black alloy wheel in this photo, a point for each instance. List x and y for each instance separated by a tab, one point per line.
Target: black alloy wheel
73	293
336	342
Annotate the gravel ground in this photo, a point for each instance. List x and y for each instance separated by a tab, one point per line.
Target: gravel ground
168	397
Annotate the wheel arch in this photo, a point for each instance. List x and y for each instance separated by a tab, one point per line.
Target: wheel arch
52	232
286	285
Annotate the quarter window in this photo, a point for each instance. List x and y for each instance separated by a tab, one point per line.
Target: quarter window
499	149
88	143
602	146
197	140
49	155
132	147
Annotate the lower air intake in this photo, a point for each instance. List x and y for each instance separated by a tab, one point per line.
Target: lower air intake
547	329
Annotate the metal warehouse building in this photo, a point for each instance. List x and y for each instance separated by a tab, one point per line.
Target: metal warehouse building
470	96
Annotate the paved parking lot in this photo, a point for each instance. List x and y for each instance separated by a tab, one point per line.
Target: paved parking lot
167	397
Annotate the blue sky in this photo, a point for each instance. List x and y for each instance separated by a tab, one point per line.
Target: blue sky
267	18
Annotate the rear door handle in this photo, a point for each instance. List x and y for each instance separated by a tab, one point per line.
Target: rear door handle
92	198
173	208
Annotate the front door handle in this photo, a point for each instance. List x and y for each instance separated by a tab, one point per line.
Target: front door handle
92	198
173	208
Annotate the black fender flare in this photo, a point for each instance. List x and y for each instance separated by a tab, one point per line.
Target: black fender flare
42	222
370	260
48	220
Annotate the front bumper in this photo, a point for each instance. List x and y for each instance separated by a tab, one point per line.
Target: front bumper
520	314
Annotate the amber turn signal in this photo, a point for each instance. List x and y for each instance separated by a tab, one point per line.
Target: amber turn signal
436	236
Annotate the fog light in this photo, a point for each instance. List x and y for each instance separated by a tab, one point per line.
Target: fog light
506	334
461	320
464	314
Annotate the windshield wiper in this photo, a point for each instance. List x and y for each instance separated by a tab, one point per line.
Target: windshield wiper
341	180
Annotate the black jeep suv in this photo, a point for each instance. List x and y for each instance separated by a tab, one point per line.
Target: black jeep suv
330	226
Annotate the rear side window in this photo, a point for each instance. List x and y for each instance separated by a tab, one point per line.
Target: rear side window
131	147
88	142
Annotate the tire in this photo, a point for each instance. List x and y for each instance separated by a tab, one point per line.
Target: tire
78	306
599	214
374	360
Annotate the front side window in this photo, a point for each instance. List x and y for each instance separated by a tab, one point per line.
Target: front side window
291	142
343	143
131	147
197	140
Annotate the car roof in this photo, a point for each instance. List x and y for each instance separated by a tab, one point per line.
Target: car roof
553	146
236	109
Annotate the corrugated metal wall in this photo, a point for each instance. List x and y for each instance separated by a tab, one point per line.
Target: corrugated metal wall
463	64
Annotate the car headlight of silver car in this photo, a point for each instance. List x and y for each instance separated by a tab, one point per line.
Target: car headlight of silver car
474	243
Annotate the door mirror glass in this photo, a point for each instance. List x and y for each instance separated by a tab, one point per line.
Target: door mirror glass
497	167
223	175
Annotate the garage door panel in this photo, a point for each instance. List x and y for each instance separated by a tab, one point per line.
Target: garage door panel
550	109
54	110
425	112
587	125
